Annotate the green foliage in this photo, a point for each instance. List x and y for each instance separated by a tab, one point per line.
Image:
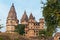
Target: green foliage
16	39
52	20
43	33
20	29
1	26
1	38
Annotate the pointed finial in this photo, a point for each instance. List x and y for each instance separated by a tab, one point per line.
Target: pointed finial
25	12
12	4
31	16
31	13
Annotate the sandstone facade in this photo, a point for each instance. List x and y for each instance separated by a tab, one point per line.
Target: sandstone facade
12	20
32	26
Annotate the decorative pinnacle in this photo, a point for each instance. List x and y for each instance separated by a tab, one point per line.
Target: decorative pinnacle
25	12
12	4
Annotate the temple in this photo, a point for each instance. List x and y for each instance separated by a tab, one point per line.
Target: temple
12	20
32	27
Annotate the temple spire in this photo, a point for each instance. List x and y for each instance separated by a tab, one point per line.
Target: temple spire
12	20
12	4
24	17
31	16
12	12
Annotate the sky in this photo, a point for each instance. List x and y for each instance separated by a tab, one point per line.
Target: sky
31	6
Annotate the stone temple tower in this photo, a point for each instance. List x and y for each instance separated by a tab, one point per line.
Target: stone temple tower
24	19
12	20
41	23
29	30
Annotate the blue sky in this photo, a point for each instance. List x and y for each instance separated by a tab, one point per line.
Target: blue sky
33	6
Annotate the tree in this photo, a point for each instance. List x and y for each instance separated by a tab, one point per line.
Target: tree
1	26
43	33
51	13
20	29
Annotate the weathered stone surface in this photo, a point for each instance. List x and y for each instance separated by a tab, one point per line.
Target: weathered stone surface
12	36
12	20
